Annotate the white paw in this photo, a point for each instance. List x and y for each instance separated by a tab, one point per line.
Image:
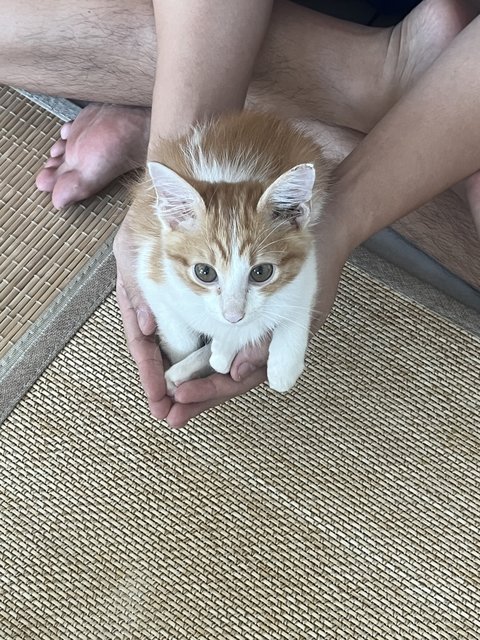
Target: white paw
282	378
220	363
174	377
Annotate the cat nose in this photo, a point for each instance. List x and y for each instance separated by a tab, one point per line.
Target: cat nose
233	316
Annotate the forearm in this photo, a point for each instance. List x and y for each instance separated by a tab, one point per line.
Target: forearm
206	50
427	142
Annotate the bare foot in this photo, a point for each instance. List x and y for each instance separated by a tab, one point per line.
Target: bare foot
102	143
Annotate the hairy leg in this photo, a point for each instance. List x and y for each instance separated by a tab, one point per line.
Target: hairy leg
88	50
343	73
348	74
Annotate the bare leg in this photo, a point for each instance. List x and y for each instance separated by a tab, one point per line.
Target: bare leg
412	154
343	73
348	74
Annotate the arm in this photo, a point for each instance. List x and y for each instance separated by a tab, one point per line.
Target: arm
205	54
427	142
206	50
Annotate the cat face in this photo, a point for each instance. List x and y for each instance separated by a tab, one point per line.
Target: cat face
235	245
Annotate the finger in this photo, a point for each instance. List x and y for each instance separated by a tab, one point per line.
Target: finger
180	414
122	251
147	356
249	360
216	388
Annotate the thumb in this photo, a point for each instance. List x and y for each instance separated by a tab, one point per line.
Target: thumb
127	287
249	360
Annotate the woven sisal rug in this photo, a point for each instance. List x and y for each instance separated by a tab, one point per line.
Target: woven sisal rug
349	508
346	509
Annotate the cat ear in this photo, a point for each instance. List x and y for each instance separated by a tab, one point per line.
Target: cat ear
178	203
289	196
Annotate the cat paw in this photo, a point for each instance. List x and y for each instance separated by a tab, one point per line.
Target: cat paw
173	379
282	378
220	363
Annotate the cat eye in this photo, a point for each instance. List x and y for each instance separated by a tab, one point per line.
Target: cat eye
205	272
261	272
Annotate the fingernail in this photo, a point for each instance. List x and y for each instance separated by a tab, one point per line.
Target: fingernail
143	320
245	369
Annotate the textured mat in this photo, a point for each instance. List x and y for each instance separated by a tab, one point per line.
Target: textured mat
48	258
348	509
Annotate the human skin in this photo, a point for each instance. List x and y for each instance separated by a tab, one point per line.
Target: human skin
203	71
296	83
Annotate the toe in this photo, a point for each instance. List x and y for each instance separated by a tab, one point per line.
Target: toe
45	180
68	189
53	163
65	130
58	149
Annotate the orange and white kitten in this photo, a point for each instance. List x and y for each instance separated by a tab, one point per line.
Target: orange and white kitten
225	254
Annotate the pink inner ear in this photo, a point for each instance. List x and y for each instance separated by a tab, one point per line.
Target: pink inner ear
292	189
178	203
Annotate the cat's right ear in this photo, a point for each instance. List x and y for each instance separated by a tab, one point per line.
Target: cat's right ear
289	197
178	203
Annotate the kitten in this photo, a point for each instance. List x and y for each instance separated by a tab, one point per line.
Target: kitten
225	254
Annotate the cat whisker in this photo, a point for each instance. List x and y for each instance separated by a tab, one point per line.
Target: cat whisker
277	316
272	252
313	313
297	307
263	247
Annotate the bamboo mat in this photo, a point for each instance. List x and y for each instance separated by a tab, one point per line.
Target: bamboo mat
42	250
55	266
348	509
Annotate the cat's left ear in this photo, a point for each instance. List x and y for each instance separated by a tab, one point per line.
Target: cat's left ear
290	195
178	203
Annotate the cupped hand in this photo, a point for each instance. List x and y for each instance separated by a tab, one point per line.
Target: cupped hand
193	397
139	327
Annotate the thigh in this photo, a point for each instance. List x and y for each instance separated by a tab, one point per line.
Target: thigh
90	50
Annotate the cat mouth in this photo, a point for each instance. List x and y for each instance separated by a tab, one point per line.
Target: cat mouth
238	323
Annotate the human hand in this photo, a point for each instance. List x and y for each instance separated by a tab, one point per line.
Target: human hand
196	396
139	326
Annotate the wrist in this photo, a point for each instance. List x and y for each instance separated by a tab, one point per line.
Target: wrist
353	210
340	226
